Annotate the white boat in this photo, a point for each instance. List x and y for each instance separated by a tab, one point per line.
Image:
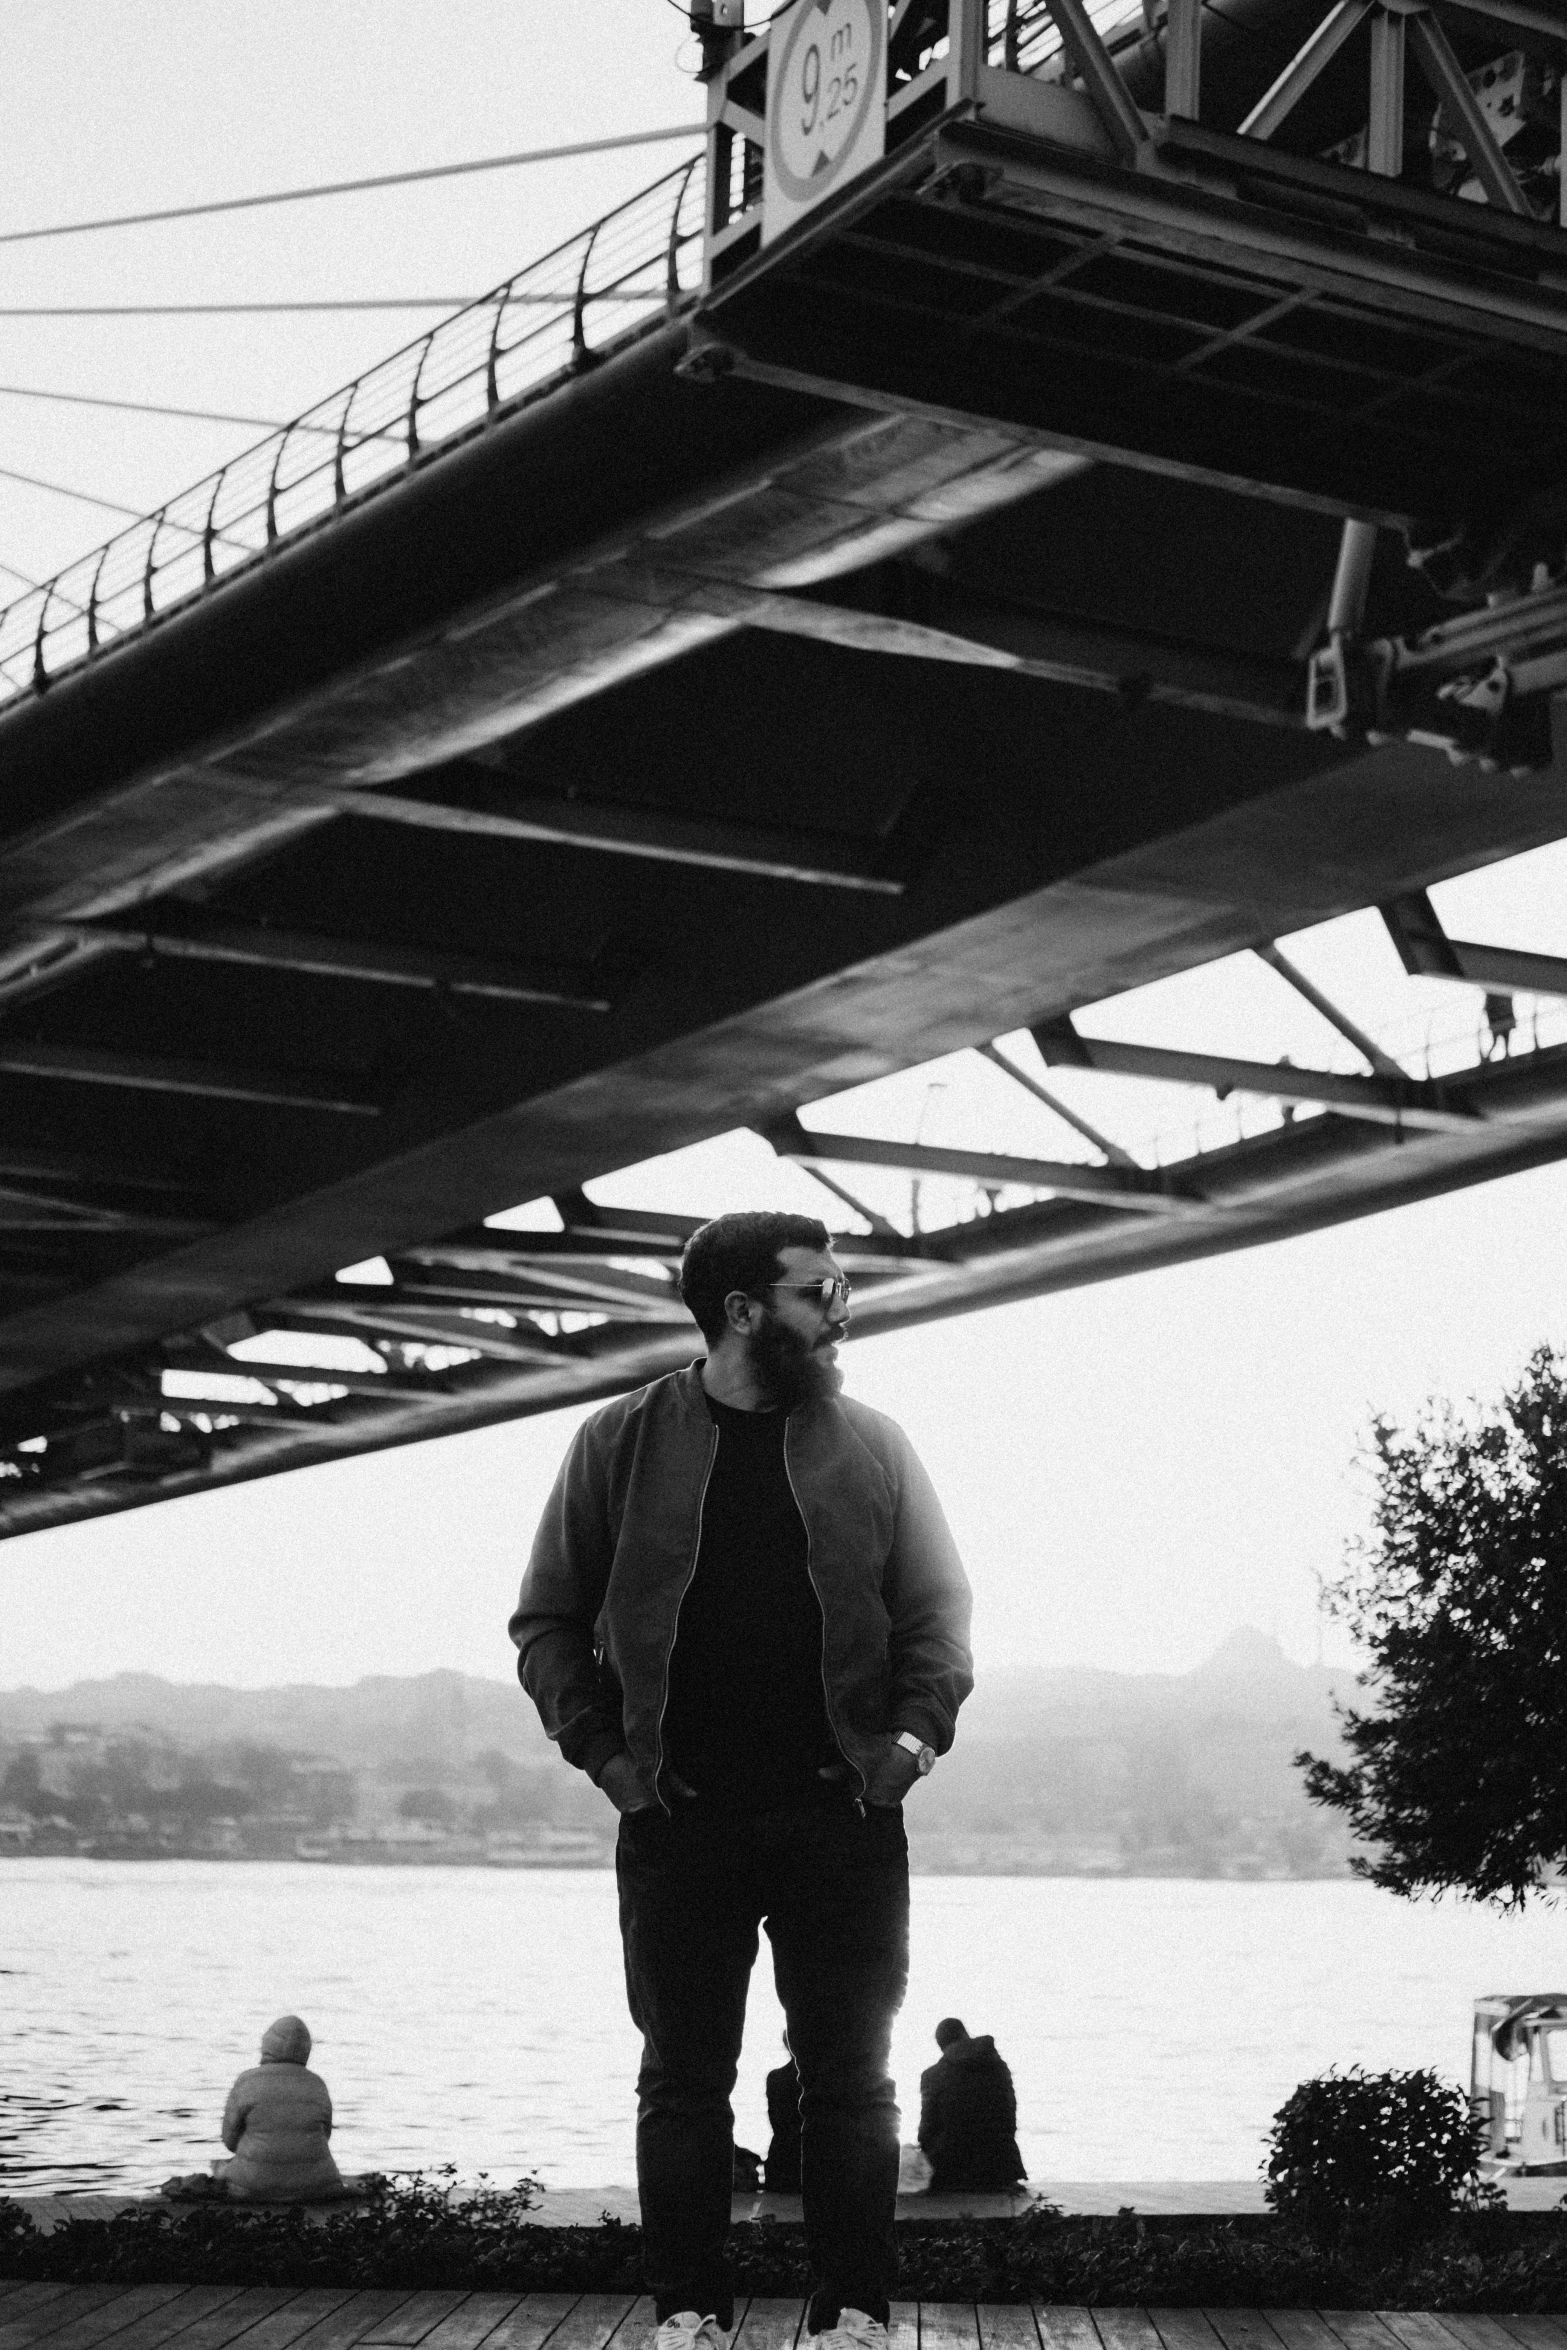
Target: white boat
1518	2079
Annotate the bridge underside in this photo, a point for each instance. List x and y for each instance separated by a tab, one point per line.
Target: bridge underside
784	701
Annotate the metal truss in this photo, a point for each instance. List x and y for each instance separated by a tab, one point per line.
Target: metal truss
1117	78
499	1322
1336	228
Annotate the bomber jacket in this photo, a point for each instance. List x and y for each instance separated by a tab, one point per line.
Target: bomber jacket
616	1550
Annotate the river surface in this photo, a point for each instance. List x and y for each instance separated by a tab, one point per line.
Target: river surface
477	2017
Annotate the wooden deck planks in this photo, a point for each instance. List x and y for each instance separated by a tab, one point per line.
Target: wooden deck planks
1302	2329
46	2317
238	2317
1006	2326
1062	2326
535	2317
359	2315
281	2327
1417	2329
170	2321
1471	2332
948	2325
771	2324
23	2297
1186	2329
419	2315
36	2316
1127	2329
122	2312
1242	2329
471	2322
1358	2329
591	2322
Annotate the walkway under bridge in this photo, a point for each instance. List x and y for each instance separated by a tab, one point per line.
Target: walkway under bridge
1123	526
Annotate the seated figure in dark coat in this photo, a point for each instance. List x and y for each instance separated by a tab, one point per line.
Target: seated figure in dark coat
968	2115
782	2174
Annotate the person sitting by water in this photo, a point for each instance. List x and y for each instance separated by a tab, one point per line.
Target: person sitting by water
968	2115
782	2173
277	2124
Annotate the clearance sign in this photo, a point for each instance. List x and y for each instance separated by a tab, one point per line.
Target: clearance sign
826	104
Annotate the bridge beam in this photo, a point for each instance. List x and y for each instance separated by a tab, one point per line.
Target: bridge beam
862	614
425	1325
332	958
622	832
74	1064
1381	1100
1141	1190
1427	952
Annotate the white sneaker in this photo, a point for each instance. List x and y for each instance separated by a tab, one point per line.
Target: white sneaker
854	2331
688	2330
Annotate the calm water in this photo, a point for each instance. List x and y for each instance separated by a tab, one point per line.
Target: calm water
477	2017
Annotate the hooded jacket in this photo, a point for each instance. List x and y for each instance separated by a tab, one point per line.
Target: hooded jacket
277	2124
968	2119
616	1550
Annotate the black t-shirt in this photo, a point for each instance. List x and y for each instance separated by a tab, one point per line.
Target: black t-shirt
746	1722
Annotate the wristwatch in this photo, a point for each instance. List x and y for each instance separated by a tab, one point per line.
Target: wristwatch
924	1755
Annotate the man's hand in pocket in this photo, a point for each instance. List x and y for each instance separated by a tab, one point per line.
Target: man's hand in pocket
891	1775
619	1781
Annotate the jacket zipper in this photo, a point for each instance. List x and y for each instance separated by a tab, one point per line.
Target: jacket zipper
674	1629
859	1800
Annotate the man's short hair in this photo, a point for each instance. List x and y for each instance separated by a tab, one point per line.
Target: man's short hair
740	1252
948	2030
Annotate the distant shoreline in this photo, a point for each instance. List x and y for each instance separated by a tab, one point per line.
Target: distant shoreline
988	1865
1060	1774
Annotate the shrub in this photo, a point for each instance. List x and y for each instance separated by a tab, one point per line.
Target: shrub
1367	2155
1494	2261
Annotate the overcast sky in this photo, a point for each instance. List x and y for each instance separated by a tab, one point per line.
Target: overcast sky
1132	1470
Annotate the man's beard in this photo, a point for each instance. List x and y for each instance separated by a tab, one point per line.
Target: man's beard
791	1369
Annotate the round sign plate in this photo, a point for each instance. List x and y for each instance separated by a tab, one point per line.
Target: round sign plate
824	78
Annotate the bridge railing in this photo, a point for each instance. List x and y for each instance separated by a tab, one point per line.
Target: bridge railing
603	287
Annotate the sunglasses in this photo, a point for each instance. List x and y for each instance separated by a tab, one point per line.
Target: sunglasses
831	1291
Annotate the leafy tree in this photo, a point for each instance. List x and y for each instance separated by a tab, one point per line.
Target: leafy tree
1459	1777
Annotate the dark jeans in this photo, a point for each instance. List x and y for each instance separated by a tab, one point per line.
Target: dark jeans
832	1887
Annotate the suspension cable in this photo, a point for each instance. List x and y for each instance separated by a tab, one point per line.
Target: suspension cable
226	309
139	408
83	497
381	179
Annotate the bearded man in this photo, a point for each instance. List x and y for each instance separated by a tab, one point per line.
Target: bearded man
745	1619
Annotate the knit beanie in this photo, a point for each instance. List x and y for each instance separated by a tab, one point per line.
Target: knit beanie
285	2042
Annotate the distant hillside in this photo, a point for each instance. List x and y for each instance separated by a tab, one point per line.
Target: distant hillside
429	1722
1058	1771
1147	1774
